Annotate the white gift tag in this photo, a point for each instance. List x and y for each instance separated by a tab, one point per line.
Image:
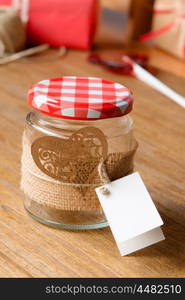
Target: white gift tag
131	213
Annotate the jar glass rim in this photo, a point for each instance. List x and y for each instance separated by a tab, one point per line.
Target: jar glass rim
42	122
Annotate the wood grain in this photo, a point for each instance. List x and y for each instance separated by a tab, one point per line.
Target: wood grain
29	249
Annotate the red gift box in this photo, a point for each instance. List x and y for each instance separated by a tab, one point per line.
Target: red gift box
69	23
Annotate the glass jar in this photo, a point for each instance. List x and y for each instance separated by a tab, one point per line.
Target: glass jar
63	154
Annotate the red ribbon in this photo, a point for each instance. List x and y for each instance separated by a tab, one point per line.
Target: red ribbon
167	27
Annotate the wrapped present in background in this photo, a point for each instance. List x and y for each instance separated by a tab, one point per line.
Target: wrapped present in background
168	29
123	21
70	23
140	19
12	31
112	29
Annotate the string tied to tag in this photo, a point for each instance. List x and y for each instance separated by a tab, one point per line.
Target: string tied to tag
104	177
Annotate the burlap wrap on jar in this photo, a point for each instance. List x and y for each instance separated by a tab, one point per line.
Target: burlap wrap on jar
78	194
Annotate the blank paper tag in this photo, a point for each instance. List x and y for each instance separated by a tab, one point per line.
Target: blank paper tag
131	214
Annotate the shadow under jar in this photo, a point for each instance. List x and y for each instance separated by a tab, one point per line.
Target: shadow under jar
77	137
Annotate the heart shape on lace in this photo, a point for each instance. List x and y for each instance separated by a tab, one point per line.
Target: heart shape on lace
72	160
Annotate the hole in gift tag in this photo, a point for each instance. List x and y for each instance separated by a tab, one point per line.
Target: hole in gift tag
105	191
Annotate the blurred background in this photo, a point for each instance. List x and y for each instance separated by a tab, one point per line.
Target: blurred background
41	39
95	24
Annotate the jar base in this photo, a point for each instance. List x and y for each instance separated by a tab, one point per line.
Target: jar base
65	219
68	226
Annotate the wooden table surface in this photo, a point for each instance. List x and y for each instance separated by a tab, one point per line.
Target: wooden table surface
29	249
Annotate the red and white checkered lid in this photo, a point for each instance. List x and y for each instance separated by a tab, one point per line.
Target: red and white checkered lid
80	98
